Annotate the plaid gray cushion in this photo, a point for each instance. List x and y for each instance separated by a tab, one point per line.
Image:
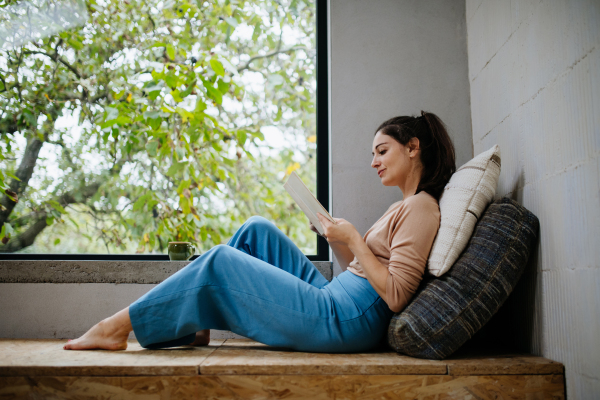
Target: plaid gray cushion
447	311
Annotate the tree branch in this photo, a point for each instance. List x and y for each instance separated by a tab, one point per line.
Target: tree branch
17	84
65	150
56	58
69	96
24	173
271	54
80	195
3	84
27	238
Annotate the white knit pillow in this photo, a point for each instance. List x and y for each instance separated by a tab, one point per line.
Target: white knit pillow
465	197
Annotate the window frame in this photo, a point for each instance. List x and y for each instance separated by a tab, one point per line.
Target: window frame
322	160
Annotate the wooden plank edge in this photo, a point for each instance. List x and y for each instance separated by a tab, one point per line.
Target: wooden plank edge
303	386
321	370
553	368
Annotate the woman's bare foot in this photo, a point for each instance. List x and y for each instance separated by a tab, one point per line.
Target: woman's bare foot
108	334
202	338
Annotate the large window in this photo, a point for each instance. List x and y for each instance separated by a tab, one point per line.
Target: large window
128	124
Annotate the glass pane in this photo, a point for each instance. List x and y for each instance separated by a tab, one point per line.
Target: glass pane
132	124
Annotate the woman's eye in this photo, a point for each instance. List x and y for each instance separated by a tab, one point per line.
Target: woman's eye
382	152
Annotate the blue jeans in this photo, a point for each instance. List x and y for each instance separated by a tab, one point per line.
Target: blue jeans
261	286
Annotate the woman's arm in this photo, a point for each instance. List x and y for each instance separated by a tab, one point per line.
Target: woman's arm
343	254
344	234
341	251
376	273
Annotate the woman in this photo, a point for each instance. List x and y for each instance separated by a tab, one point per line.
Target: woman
261	286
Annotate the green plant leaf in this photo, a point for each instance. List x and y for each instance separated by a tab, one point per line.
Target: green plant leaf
151	147
141	201
175	168
75	43
57	206
217	67
213	93
171	51
184	203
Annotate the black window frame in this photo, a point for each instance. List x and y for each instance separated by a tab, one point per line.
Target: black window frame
322	123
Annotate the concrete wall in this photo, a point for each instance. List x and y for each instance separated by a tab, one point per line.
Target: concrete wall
534	70
391	58
66	310
61	310
63	299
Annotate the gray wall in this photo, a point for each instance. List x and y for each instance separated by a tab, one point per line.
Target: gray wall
390	58
534	70
66	310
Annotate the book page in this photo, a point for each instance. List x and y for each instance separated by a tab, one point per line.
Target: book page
307	202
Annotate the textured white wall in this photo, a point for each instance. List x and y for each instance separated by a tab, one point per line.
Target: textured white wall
65	310
534	69
391	58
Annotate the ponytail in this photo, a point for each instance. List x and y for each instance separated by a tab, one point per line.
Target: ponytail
437	150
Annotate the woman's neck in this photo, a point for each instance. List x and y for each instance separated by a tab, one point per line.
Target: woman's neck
410	185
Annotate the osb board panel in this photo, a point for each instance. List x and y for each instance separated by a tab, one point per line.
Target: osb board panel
288	387
47	358
243	356
68	387
505	364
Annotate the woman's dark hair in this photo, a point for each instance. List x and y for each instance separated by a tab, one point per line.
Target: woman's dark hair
437	150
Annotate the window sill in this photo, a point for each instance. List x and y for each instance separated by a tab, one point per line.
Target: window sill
140	272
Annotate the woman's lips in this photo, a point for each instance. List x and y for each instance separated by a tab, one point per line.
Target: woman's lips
380	172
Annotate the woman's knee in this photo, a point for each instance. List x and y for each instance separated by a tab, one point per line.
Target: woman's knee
259	223
215	256
222	250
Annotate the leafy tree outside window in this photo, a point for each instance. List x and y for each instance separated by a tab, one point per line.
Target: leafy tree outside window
156	121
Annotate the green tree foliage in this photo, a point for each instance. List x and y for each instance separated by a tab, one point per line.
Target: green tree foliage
172	100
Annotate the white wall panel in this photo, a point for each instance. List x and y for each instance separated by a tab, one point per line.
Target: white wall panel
540	50
471	8
538	97
492	17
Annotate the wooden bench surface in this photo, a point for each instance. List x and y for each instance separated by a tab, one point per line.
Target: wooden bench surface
244	368
239	356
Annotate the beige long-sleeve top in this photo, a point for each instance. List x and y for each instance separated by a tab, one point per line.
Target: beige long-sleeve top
401	240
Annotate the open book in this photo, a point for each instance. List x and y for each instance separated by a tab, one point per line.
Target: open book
306	200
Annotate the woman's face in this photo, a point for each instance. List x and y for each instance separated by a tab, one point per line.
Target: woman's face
390	159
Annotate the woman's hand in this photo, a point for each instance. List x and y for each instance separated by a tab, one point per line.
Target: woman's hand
342	232
315	230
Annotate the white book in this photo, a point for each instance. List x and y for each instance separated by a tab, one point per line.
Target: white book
307	202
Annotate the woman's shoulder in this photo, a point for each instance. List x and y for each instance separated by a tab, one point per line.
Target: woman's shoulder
422	200
418	211
420	203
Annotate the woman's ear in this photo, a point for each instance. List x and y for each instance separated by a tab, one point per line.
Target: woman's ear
413	146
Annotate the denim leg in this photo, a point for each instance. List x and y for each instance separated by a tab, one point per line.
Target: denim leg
260	238
261	286
228	289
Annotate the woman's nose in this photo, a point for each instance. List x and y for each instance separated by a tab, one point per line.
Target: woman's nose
375	162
